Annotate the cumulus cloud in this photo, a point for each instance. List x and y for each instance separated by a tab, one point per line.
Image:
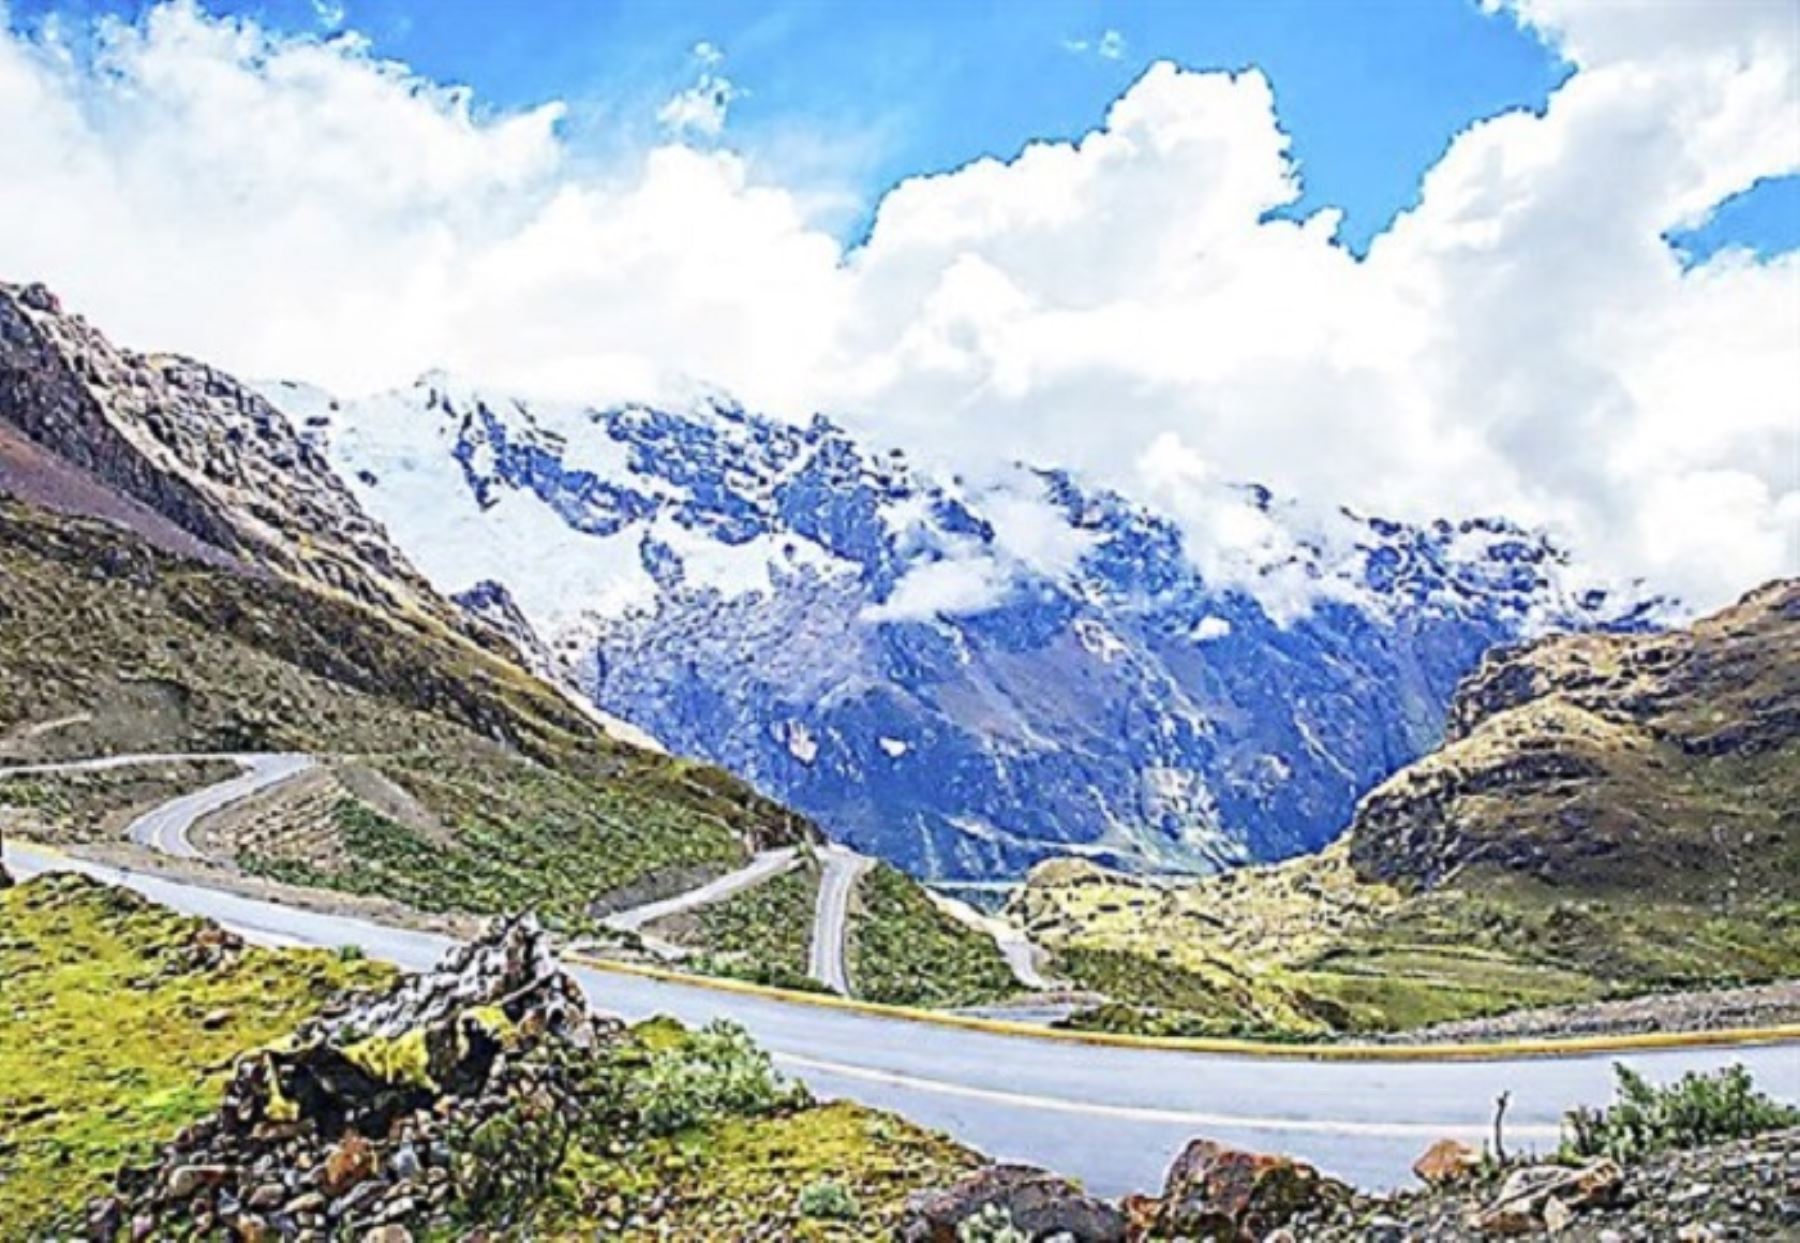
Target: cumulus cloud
1522	341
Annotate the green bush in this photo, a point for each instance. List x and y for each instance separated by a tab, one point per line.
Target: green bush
828	1200
992	1224
1697	1109
716	1071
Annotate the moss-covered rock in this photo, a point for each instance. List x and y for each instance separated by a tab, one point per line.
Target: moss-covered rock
119	1022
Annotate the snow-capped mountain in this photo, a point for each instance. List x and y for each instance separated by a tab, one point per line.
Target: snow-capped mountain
961	679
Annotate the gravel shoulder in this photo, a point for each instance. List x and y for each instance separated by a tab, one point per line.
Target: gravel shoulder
1760	1005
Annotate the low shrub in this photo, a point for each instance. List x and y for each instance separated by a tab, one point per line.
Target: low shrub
828	1200
716	1071
1696	1109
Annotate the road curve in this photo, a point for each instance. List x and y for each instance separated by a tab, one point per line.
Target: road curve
164	828
1111	1116
764	866
1015	947
839	872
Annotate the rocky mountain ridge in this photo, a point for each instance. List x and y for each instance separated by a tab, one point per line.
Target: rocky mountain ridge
1612	816
961	678
1607	760
197	447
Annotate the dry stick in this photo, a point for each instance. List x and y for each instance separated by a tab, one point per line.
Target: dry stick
1500	1104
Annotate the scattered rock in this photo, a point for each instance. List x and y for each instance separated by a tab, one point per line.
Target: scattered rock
1520	1206
348	1163
1447	1163
1557	1215
1228	1194
185	1180
1039	1204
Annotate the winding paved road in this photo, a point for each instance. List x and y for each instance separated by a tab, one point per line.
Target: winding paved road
839	872
764	866
1111	1116
165	829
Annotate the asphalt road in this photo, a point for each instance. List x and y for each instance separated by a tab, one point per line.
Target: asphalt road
764	866
1113	1117
840	870
165	828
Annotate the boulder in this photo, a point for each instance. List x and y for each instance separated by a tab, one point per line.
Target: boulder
1527	1193
364	1117
1447	1163
1039	1204
1227	1194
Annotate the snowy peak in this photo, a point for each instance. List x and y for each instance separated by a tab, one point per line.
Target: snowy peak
964	677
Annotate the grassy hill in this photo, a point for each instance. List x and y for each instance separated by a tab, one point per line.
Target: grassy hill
1609	815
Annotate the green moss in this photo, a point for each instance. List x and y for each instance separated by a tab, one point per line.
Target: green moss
744	1178
113	1035
905	951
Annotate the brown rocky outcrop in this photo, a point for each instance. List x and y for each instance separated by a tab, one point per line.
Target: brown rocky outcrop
1215	1191
1587	758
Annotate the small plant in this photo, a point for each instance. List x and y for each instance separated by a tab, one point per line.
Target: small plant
828	1200
992	1224
350	953
1697	1109
715	1071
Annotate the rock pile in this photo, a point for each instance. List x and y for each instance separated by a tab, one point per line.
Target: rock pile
451	1099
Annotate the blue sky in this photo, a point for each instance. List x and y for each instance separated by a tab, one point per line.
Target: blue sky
855	97
284	205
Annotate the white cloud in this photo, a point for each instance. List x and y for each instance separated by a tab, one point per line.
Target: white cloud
701	108
1522	341
1109	46
948	587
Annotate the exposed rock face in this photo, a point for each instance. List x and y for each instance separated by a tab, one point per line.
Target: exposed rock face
458	1091
760	594
197	447
1606	759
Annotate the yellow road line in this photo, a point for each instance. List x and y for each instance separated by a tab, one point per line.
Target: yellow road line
1571	1046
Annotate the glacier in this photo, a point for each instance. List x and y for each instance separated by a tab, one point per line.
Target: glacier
961	678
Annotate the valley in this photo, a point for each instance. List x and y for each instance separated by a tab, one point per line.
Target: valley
262	715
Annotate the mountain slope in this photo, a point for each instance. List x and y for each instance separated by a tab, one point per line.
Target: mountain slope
1612	814
180	571
1667	762
962	680
206	454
